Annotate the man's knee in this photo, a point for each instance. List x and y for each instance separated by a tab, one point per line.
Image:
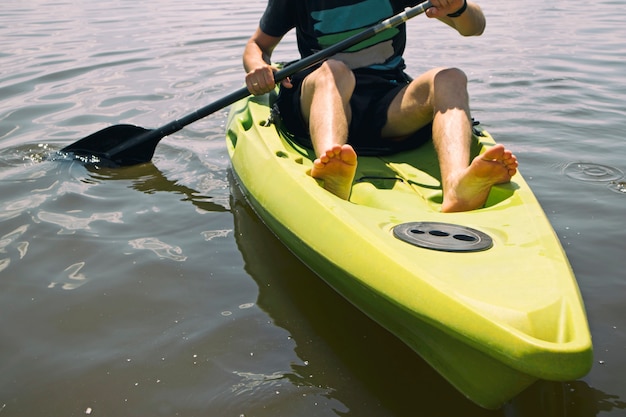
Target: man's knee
451	76
335	72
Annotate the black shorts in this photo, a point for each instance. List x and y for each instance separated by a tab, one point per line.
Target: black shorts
373	94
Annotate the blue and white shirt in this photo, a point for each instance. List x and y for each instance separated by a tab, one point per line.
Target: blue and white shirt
321	23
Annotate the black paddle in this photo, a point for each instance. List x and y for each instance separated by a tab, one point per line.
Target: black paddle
123	145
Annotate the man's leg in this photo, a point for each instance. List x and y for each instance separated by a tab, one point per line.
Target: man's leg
325	101
441	95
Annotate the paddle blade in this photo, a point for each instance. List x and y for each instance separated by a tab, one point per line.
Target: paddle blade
116	145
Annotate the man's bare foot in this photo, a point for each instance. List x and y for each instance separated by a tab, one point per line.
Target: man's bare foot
470	189
336	167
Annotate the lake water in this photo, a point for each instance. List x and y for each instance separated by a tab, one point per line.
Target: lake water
154	291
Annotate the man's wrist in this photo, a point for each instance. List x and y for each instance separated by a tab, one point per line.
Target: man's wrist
460	11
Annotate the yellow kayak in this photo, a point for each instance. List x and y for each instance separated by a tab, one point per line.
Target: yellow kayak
487	297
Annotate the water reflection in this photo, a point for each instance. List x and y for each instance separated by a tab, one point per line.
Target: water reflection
566	399
148	179
49	179
29	163
71	217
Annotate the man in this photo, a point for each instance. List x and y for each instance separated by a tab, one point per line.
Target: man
361	99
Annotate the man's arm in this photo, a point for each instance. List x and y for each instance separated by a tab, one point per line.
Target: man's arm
257	62
471	22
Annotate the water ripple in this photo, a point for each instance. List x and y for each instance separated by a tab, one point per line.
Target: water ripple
75	278
212	234
618	187
70	224
10	240
591	172
160	248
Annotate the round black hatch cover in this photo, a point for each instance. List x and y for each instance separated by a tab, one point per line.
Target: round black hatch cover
443	236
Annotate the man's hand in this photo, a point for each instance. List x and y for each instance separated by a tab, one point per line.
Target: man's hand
261	80
471	22
442	8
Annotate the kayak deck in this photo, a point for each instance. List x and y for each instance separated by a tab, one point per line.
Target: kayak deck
491	320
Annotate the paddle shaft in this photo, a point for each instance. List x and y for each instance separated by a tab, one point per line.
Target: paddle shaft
280	75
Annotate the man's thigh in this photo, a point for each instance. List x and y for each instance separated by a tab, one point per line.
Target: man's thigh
412	107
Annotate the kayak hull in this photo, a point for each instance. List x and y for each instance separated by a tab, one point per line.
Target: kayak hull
491	319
